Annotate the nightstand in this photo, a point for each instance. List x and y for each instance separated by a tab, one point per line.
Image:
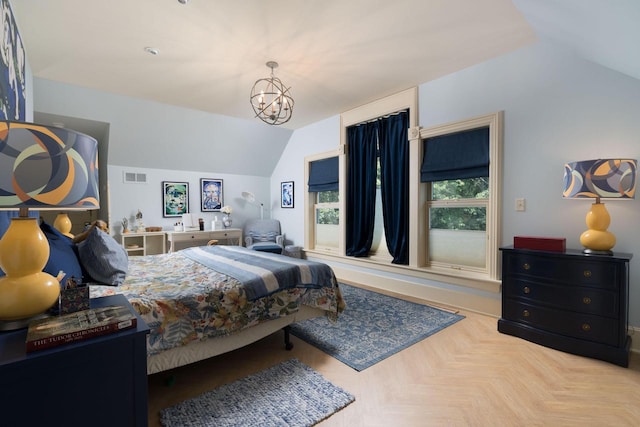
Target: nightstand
569	301
101	381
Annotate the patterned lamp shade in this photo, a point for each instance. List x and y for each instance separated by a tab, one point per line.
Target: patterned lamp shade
44	167
600	178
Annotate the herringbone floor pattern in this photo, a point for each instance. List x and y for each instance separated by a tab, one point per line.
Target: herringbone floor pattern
466	375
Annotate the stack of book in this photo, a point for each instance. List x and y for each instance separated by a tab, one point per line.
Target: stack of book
81	325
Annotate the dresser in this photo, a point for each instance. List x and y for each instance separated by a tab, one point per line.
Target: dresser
100	381
569	301
184	239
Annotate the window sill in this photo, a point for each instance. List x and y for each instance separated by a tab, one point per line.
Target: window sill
450	276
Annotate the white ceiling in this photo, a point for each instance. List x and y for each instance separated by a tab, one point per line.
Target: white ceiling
335	54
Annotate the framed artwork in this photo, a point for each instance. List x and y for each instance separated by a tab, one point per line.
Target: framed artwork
175	198
286	194
12	69
211	195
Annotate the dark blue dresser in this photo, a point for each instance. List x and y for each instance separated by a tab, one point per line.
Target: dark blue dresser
569	301
101	381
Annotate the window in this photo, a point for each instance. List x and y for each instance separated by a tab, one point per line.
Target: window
327	220
458	222
453	222
323	199
460	173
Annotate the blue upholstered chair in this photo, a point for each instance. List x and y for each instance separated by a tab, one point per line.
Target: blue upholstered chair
264	235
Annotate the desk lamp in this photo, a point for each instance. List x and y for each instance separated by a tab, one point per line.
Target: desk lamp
41	168
599	179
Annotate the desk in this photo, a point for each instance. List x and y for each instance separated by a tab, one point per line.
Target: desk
184	239
100	381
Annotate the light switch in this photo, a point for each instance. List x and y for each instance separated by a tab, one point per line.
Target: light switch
520	205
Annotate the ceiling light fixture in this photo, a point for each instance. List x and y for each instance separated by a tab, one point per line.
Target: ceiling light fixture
271	100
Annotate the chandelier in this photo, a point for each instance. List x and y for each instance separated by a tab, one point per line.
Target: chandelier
271	100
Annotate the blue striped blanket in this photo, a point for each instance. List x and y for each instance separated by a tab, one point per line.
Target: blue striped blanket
262	273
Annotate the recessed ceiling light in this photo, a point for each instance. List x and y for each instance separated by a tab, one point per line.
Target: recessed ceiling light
152	50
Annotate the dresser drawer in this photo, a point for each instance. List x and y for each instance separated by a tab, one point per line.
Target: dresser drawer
562	296
577	272
604	330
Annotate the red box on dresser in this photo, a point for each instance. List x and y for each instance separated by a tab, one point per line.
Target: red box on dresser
553	244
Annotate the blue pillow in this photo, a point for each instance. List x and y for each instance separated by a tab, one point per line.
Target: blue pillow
104	259
62	255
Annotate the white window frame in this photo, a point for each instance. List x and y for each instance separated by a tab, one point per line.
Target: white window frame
493	230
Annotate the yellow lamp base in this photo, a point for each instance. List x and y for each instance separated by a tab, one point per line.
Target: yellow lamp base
597	240
26	291
63	224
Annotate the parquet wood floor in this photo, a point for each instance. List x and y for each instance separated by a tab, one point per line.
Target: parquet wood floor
465	375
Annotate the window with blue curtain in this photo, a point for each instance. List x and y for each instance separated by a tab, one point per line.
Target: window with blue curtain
389	134
457	155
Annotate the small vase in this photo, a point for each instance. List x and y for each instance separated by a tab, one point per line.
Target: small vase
226	220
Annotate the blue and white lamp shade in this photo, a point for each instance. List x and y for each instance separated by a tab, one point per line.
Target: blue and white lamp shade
600	178
47	167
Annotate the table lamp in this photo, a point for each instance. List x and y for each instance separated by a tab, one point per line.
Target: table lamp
599	179
41	168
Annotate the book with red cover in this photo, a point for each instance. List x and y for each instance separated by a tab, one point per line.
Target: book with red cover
81	325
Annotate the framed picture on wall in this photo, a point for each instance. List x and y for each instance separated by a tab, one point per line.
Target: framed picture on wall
286	194
175	198
12	69
211	195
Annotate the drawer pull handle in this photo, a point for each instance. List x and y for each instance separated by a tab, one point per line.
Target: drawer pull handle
587	273
586	327
526	266
586	300
526	313
527	290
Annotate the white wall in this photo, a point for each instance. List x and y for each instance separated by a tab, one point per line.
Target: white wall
149	134
127	198
558	108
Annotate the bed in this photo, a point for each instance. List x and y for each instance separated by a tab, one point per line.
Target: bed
204	301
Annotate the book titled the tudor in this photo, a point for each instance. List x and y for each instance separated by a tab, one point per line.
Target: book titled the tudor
81	325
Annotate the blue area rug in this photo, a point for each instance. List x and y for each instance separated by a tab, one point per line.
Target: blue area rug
372	327
288	394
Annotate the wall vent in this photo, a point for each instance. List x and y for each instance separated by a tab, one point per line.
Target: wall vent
135	178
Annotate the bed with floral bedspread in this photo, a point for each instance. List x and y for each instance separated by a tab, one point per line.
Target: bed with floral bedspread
190	296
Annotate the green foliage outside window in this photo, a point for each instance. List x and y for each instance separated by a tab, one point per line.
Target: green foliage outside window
459	218
328	215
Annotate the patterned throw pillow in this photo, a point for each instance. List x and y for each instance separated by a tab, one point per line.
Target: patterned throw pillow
103	258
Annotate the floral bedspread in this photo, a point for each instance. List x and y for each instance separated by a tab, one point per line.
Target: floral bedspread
183	301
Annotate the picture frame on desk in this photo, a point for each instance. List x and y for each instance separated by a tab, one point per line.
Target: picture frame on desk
175	198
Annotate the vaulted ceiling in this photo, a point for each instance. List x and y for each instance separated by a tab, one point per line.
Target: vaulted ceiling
334	54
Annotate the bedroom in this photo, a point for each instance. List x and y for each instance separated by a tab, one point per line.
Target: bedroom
558	107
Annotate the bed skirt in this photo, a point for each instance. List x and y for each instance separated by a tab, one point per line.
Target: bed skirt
200	350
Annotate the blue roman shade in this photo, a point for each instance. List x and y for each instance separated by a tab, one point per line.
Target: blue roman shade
457	155
323	175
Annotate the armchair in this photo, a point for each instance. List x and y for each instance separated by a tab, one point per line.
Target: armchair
264	235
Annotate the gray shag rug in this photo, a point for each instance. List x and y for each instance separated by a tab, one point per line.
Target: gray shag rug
287	394
372	327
